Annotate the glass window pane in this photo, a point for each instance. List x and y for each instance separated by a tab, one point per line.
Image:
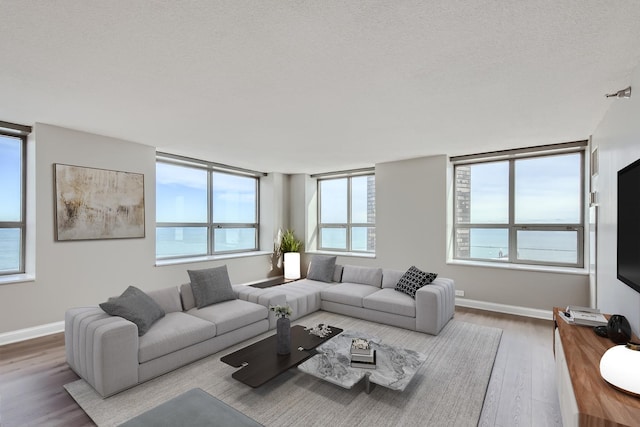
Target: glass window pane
10	250
234	199
548	246
11	178
333	238
363	199
482	243
180	241
547	190
333	201
181	194
363	239
482	193
234	239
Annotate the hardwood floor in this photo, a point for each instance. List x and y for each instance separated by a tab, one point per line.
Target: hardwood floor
521	392
522	389
32	374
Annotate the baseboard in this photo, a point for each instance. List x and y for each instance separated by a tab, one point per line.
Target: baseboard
30	333
504	308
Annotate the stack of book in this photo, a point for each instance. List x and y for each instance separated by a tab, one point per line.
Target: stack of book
362	354
586	316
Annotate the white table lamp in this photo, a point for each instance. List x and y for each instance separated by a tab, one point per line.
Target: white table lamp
292	265
620	367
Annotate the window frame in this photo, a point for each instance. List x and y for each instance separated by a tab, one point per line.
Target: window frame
18	132
349	225
511	226
211	226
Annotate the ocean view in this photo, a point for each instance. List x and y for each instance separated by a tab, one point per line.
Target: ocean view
187	241
553	246
9	249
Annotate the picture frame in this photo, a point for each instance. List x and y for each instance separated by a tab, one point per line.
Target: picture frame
96	204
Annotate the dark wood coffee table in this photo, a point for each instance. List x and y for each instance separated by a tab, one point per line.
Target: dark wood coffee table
259	362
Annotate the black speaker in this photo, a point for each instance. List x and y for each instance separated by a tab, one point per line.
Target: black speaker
619	329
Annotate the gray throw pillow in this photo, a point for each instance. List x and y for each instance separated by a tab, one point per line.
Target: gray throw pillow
135	306
322	268
211	285
413	280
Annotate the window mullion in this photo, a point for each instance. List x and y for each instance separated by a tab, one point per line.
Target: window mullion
23	202
349	230
513	253
210	229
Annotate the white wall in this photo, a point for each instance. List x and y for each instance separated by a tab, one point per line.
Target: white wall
412	200
76	273
618	141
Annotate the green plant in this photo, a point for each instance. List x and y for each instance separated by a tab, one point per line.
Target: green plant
283	311
289	243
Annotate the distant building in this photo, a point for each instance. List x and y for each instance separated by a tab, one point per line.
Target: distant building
371	212
463	210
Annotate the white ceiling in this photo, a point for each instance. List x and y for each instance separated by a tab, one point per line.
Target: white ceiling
316	86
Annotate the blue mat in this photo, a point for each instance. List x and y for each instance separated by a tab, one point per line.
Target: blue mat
194	408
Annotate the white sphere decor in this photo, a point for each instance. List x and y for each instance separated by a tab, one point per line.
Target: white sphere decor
620	367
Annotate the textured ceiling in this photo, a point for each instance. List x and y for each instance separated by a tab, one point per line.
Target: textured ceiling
316	86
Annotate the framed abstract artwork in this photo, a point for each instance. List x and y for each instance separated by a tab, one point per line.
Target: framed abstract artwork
98	203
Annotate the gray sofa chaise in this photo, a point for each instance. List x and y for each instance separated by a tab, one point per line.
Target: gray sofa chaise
108	353
368	293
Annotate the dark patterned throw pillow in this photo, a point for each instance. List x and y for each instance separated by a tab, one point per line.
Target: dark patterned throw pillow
413	279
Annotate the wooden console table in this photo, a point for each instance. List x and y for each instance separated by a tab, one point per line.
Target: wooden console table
585	398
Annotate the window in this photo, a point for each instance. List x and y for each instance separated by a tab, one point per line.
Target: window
526	210
204	210
12	208
347	214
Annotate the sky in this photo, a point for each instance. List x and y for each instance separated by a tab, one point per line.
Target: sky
537	181
334	200
182	195
10	171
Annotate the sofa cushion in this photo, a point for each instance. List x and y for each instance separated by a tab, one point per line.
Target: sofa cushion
167	298
174	332
135	306
348	293
303	295
322	268
211	285
186	295
413	280
363	275
391	301
231	315
337	273
390	278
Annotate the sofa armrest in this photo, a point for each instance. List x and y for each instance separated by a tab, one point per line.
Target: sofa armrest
102	349
435	305
265	297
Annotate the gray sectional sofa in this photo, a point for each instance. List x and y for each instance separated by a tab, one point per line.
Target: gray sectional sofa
107	352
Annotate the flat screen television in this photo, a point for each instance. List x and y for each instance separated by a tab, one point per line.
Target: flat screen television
629	225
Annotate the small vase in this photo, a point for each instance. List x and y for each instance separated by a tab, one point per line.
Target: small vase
283	332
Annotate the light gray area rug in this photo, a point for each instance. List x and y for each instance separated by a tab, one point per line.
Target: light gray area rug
448	390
